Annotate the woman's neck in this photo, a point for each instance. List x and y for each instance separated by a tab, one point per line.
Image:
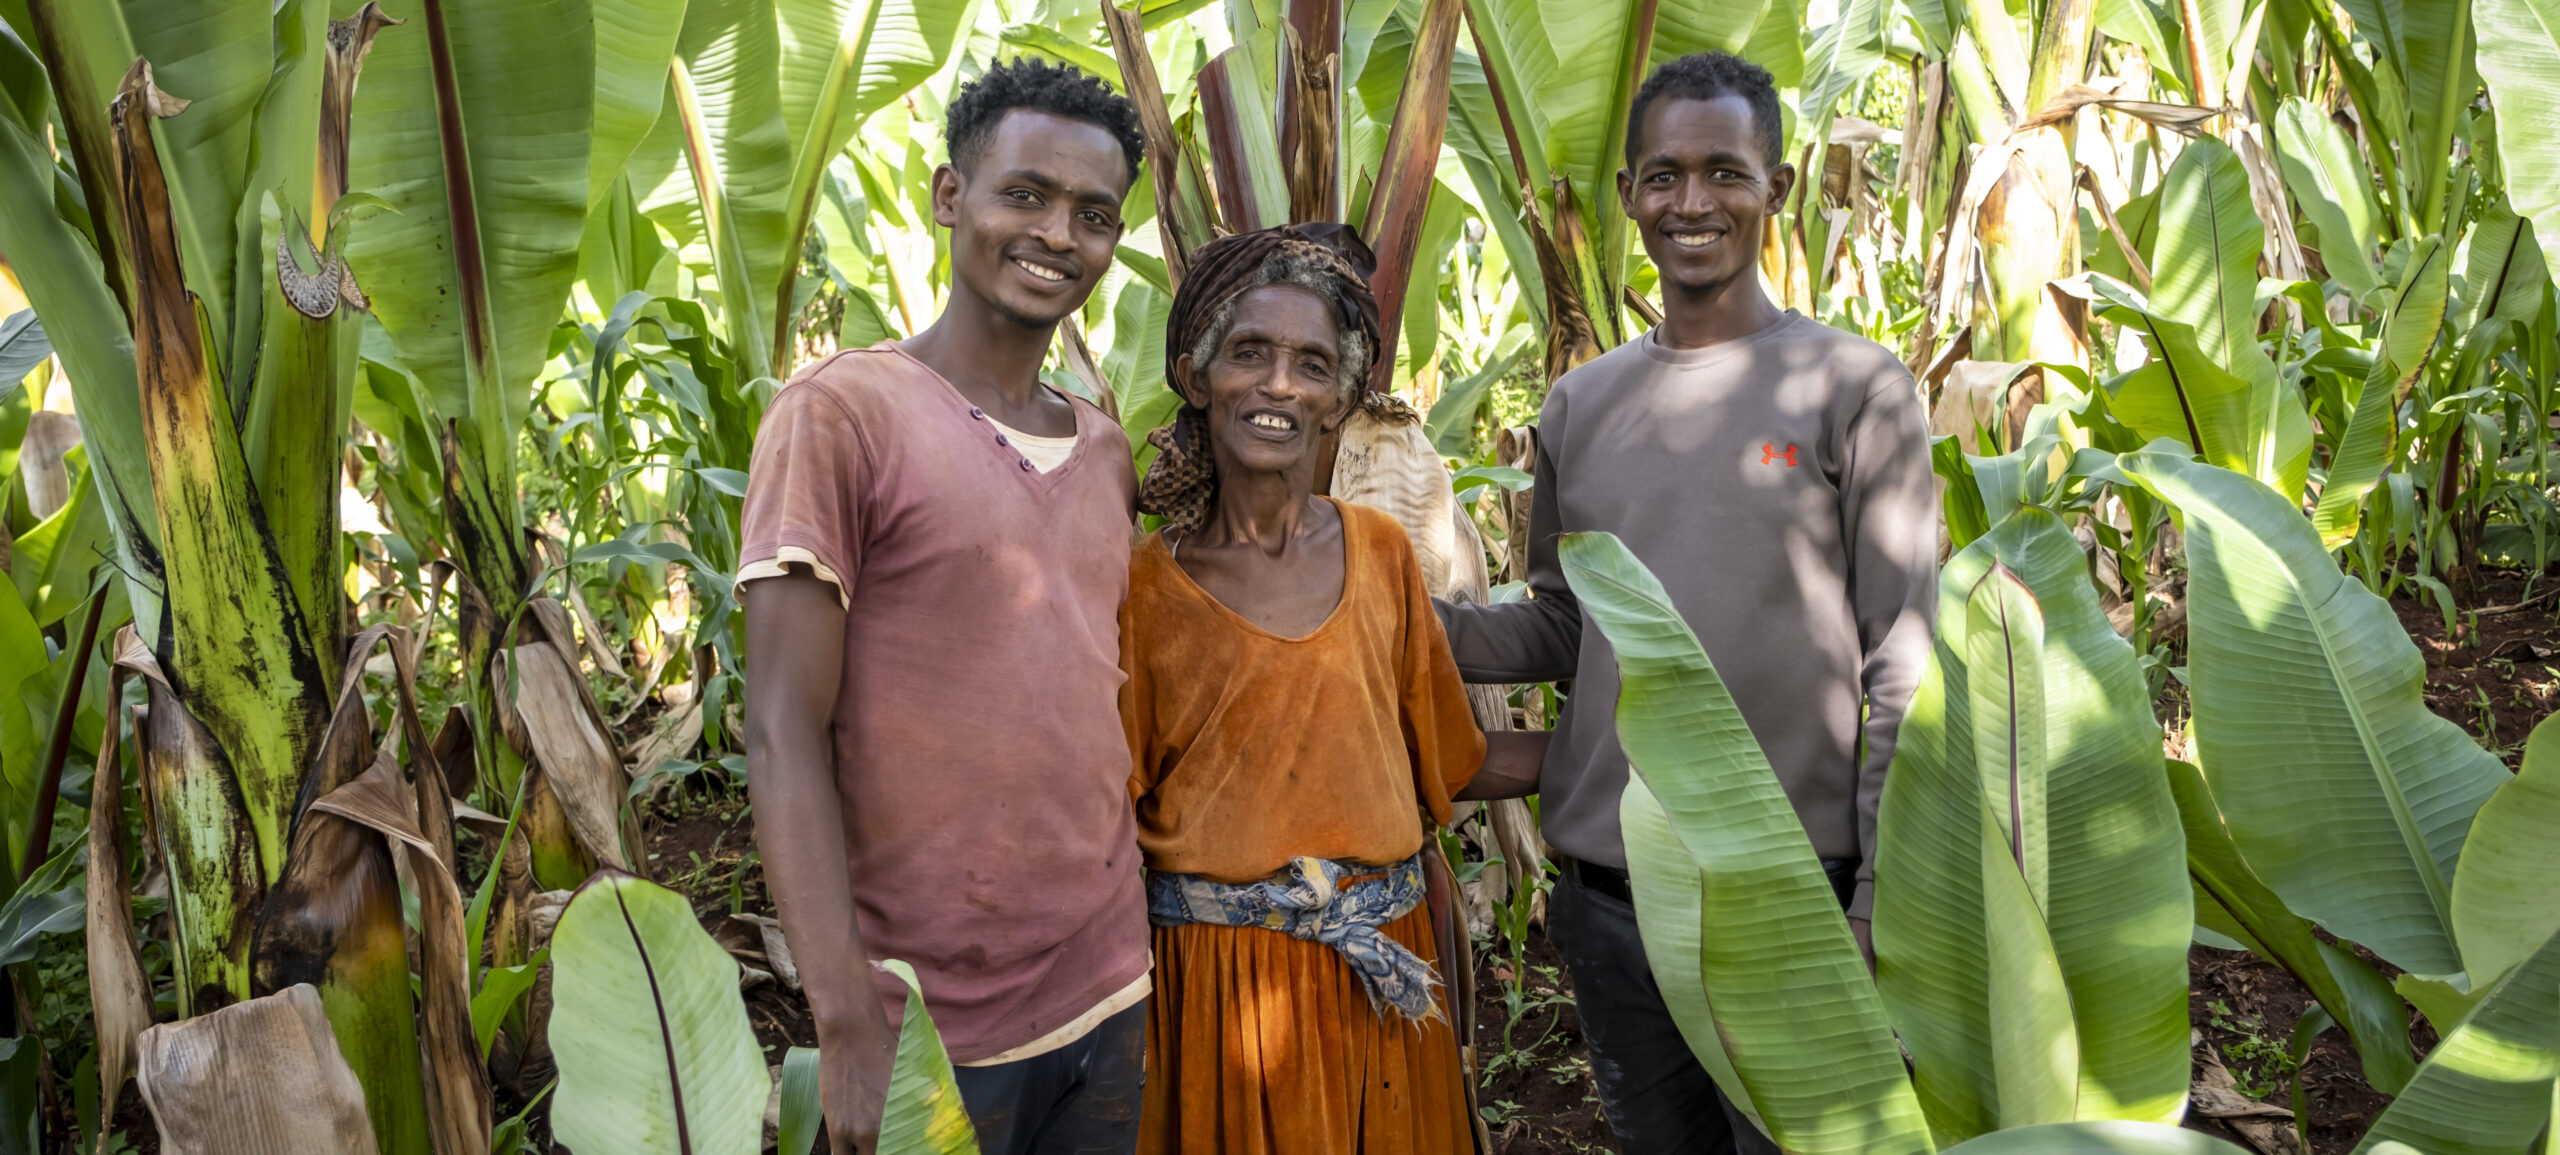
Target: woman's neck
1266	511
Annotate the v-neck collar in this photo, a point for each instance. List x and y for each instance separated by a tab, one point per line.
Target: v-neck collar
984	430
1341	603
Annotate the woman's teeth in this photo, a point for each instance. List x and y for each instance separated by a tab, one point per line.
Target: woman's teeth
1037	271
1272	421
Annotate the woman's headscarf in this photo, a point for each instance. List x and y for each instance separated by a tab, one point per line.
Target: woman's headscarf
1183	479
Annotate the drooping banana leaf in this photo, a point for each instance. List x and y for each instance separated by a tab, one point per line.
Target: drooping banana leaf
656	1056
2519	57
2506	892
2328	179
2108	1138
2231	899
2029	728
1726	883
473	125
2338	786
2487	1088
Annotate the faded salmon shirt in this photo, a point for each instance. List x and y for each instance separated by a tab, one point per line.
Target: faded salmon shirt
978	747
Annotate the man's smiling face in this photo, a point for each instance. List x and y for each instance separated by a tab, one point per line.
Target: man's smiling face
1034	218
1701	190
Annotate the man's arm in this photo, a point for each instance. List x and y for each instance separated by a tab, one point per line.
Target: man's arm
795	665
1889	512
1511	762
1534	640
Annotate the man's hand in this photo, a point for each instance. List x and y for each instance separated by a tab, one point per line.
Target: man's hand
854	1062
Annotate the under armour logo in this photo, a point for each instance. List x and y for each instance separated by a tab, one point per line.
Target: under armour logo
1769	455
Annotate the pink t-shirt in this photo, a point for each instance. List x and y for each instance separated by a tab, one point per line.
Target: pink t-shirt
978	745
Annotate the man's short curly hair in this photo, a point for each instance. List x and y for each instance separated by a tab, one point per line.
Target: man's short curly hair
1060	90
1706	76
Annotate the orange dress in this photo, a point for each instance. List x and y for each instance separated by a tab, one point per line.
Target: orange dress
1251	749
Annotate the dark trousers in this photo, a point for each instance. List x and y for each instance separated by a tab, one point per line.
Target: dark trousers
1653	1091
1081	1099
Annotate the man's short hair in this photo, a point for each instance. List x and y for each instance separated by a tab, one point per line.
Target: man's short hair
1060	90
1706	76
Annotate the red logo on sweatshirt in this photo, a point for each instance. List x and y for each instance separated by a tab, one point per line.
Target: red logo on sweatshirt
1769	455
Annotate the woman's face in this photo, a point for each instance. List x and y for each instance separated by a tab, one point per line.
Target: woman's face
1275	383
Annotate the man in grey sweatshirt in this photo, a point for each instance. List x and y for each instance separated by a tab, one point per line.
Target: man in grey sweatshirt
1774	474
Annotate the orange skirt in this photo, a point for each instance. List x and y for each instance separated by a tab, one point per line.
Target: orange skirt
1263	1044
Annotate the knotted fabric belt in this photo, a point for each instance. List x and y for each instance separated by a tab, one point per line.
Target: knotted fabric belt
1308	900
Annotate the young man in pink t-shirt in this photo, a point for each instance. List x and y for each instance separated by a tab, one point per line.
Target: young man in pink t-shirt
936	551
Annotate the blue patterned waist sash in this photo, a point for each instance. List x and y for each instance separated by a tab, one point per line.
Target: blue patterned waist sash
1307	900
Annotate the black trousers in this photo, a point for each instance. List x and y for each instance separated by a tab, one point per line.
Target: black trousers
1655	1094
1081	1099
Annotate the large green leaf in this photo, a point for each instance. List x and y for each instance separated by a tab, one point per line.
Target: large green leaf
2185	392
2206	265
1709	829
2519	57
2487	1088
482	158
923	1114
2060	786
2409	327
2233	900
2506	892
649	1029
217	57
729	109
2340	788
2328	179
2109	1138
60	271
634	40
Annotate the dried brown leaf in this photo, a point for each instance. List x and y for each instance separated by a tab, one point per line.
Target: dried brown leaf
263	1077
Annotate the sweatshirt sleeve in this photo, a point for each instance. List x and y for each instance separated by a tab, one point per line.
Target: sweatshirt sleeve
1888	516
1536	639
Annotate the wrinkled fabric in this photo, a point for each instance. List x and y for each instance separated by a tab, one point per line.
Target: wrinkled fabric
1310	900
1263	1044
1250	750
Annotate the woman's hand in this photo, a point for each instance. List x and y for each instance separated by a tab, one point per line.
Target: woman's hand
854	1062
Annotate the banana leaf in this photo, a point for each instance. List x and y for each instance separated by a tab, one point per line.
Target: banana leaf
2410	323
2506	892
2519	58
2487	1088
2109	1138
1725	882
650	1033
923	1114
2027	830
2339	788
263	1077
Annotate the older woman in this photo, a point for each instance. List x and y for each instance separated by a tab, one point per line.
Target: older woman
1296	723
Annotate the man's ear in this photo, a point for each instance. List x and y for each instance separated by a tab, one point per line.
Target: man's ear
947	183
1627	192
1782	183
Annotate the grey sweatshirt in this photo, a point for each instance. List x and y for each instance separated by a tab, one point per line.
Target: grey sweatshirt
1779	487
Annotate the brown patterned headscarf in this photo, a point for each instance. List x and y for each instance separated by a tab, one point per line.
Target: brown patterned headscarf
1183	480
